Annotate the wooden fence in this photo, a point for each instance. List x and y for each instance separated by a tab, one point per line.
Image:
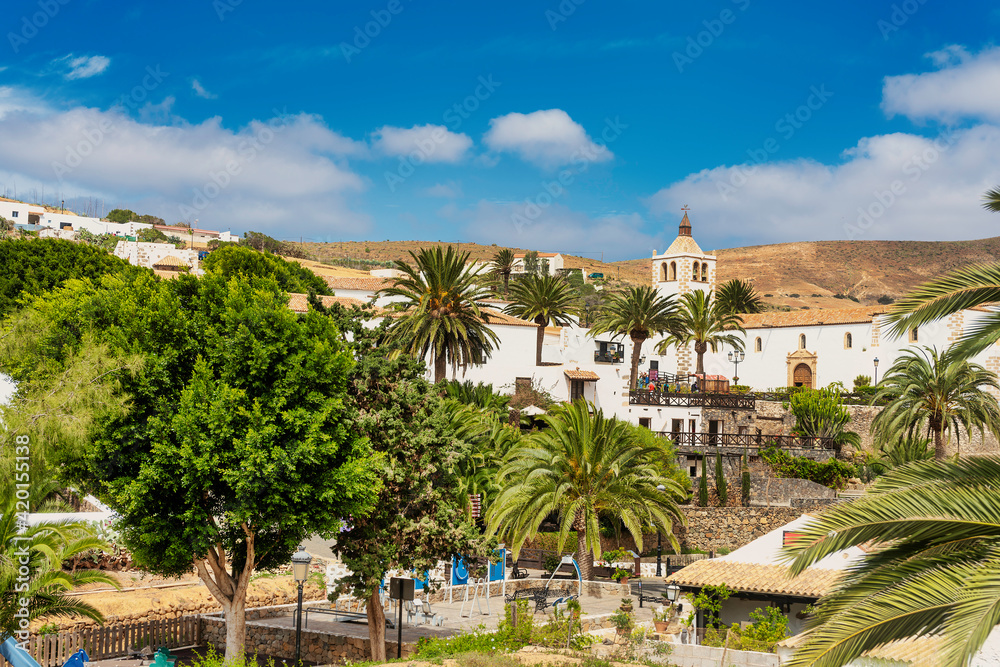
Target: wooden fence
112	641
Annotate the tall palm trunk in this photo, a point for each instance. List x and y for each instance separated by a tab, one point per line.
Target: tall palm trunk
940	446
506	283
699	349
376	626
539	339
584	557
440	366
636	353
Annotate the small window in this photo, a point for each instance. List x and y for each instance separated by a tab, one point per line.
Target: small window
802	341
645	422
575	389
663	272
13	214
848	341
673	270
694	271
913	335
704	272
758	345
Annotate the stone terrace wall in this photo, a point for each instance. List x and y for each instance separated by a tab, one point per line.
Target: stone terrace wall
714	528
861	422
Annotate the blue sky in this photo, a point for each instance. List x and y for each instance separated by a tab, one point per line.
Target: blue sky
581	126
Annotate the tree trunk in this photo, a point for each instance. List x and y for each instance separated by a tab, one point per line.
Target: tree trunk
506	283
539	340
236	628
699	349
636	353
584	557
376	626
230	591
940	450
440	367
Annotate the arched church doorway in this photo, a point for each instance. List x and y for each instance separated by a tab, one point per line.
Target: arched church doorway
802	376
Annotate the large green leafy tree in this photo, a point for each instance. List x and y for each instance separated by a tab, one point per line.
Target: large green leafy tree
936	394
931	563
639	313
582	466
706	323
34	266
739	296
439	310
544	300
234	260
236	443
502	265
820	413
41	549
427	441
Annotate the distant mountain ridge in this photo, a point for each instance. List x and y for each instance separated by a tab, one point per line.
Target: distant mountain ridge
794	275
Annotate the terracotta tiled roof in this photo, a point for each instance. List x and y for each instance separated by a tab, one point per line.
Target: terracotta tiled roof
756	578
300	302
804	318
497	317
589	376
169	260
372	284
541	254
916	652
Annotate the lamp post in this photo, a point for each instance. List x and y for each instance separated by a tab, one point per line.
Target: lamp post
876	372
736	356
659	542
300	571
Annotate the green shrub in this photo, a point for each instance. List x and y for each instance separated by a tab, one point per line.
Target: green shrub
832	473
767	629
821	413
862	381
720	481
703	485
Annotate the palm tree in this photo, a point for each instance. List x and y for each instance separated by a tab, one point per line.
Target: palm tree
931	532
991	200
584	466
440	311
640	313
938	394
705	322
502	265
963	288
739	296
44	546
545	300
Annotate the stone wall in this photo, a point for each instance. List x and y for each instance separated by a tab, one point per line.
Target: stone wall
715	528
773	491
861	422
278	641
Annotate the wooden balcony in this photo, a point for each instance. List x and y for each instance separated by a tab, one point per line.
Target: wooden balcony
692	399
746	440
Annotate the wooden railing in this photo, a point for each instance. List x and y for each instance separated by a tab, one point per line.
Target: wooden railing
112	641
692	399
755	441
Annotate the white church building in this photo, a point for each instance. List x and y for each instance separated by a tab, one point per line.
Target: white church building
801	348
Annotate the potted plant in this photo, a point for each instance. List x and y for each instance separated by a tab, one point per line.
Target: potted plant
663	617
623	622
626	605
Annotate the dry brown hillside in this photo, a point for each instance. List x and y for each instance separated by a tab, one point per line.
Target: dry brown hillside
787	274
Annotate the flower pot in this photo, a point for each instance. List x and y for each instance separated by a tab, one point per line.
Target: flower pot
626	608
661	626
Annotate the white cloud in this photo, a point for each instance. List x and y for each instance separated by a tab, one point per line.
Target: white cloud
965	86
200	91
555	228
547	138
895	186
279	173
433	143
83	67
449	190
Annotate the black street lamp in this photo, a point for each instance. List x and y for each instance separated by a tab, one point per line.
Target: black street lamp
300	572
659	543
876	372
736	356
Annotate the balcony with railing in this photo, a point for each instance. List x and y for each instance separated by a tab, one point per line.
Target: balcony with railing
693	399
610	353
687	440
